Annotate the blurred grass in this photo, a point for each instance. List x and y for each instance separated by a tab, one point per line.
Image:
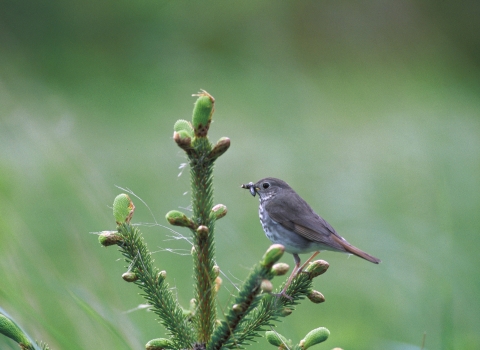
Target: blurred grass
369	110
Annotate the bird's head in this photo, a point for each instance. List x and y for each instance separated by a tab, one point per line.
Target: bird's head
266	187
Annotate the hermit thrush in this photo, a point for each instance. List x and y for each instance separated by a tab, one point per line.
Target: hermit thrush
288	220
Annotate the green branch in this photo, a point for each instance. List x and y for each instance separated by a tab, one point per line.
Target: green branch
155	289
246	300
255	307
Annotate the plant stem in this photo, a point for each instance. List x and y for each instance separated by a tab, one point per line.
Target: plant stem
202	200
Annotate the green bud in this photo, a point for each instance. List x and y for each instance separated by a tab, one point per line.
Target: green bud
183	125
317	268
160	277
177	218
10	329
219	211
183	139
159	344
130	276
277	339
123	209
107	238
286	312
186	313
280	269
202	113
216	270
266	286
238	308
193	304
202	231
218	283
220	148
316	336
316	297
272	255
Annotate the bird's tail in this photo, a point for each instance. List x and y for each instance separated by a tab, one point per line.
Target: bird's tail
355	251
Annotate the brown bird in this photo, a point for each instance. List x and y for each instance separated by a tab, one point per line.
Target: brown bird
288	220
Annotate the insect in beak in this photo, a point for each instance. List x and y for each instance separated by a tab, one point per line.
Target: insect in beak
250	186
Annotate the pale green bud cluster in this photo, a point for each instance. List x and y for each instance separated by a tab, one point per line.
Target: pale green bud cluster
272	255
123	209
108	238
130	276
159	344
317	336
202	113
278	340
183	134
186	134
280	269
317	268
183	126
220	148
316	297
10	329
219	211
177	218
266	286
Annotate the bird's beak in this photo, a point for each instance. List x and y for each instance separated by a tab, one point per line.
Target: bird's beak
251	186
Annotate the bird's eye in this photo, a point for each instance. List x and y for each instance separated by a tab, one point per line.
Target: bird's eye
266	185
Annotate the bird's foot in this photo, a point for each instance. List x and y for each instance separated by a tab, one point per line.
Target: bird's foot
300	271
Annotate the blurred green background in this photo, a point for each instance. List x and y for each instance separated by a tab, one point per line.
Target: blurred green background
370	110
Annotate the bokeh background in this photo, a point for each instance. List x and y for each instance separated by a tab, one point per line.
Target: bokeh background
369	109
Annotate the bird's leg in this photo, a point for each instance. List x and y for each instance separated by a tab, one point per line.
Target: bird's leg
296	271
300	270
292	275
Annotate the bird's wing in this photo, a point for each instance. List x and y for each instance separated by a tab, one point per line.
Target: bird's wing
292	212
296	215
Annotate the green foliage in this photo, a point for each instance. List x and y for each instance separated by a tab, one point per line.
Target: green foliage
231	332
123	208
202	113
254	308
183	125
251	311
278	340
220	148
155	290
108	238
159	344
273	254
43	346
316	336
10	329
219	211
177	218
375	120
